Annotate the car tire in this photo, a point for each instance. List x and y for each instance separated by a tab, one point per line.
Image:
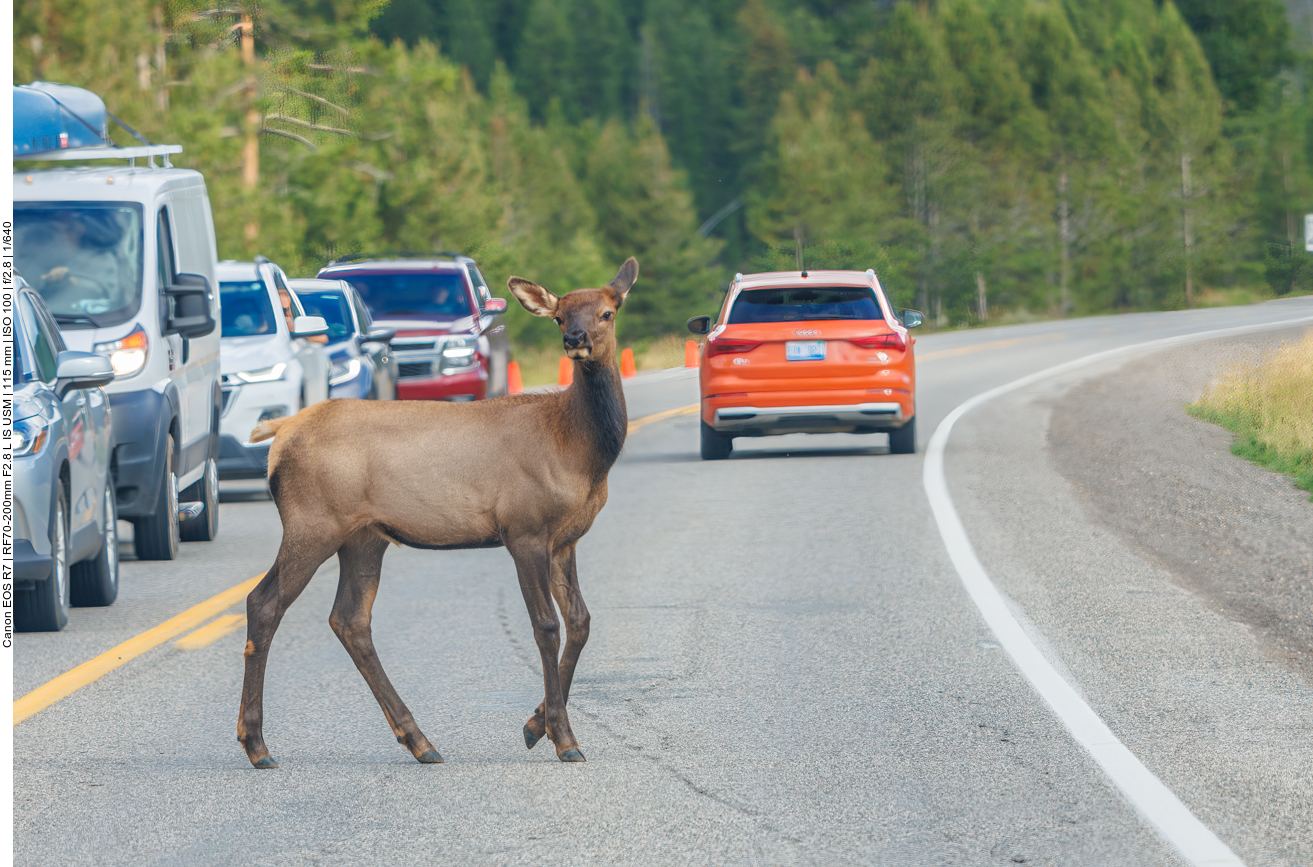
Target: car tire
157	537
715	446
95	583
902	441
206	527
44	608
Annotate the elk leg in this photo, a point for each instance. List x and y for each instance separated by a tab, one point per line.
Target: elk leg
565	590
293	568
533	564
361	562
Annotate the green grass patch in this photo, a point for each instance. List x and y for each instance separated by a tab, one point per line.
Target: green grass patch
1268	405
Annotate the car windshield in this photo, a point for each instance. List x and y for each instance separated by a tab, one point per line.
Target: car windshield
800	303
84	258
246	309
440	294
331	305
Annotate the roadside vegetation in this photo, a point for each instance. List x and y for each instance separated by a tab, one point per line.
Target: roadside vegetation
1269	407
994	160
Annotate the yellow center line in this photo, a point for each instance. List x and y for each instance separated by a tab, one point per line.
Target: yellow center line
70	681
74	679
212	631
658	416
993	344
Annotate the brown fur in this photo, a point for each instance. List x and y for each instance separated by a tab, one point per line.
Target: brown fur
526	471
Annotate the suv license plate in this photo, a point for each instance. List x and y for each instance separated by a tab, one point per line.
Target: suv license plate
804	350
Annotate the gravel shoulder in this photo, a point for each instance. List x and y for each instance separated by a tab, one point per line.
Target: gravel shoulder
1236	535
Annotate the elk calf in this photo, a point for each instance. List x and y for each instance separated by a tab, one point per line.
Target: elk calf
527	472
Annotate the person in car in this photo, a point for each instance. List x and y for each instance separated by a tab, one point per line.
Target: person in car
286	300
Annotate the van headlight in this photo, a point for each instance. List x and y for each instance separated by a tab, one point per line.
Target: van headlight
263	374
343	371
127	355
30	435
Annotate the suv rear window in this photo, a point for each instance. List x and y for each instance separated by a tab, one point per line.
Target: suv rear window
440	294
802	303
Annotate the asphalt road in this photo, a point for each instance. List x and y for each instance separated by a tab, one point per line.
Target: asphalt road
783	669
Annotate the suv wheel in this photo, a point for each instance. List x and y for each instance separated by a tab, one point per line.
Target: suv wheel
715	446
44	608
902	441
157	537
96	582
206	527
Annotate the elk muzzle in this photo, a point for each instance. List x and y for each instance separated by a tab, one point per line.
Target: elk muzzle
577	343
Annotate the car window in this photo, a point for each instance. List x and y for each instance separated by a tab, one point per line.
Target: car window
804	303
246	310
43	351
362	313
441	294
331	305
480	285
83	258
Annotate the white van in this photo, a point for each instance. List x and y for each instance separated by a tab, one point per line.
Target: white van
124	257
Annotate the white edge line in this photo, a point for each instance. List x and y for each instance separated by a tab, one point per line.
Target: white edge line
1159	806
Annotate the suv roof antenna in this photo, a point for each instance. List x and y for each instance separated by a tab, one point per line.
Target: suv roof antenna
797	238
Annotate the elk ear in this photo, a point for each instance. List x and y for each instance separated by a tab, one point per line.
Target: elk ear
535	298
624	279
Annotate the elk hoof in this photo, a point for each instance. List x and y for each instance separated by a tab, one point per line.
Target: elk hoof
431	757
530	739
572	756
266	763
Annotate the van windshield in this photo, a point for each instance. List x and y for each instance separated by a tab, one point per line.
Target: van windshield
804	303
246	309
425	295
85	258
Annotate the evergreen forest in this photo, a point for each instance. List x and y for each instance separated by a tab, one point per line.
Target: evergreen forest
993	160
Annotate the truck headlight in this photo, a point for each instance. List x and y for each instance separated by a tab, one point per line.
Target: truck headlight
263	374
127	355
30	435
343	371
458	353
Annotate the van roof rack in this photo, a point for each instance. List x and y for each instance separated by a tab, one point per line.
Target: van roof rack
398	254
149	152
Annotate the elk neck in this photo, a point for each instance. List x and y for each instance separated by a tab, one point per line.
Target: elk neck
596	405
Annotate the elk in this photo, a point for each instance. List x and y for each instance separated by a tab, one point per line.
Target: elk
527	472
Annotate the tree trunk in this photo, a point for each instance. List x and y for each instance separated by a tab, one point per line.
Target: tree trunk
1186	231
982	306
161	62
250	150
1064	232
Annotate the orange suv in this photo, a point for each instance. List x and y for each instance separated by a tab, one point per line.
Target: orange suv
807	352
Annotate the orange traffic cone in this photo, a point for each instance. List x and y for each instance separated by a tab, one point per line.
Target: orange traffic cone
691	354
565	375
513	383
627	368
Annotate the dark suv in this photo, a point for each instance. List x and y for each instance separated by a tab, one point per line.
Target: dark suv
449	345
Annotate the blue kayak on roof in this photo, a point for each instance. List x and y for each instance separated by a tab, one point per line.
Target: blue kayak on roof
50	117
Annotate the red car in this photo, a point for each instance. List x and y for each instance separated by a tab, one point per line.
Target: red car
449	344
807	352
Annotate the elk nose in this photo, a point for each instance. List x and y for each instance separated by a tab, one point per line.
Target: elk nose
576	338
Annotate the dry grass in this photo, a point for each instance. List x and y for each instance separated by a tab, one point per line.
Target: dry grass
662	353
540	366
1269	405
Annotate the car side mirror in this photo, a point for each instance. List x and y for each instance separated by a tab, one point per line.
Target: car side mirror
378	334
74	369
911	318
309	326
191	311
699	324
494	305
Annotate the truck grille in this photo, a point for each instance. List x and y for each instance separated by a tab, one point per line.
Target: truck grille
415	370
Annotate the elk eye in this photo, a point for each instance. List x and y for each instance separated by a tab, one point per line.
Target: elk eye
606	315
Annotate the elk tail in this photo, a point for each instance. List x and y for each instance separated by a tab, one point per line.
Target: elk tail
268	429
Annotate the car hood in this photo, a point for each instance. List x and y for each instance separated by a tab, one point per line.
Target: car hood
427	323
252	353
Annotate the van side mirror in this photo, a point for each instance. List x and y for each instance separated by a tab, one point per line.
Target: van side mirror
494	305
190	315
74	369
911	318
309	326
699	324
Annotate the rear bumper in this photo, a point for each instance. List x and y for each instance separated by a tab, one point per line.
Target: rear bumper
470	385
831	418
237	461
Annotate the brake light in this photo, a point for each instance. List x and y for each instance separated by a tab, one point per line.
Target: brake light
725	346
881	341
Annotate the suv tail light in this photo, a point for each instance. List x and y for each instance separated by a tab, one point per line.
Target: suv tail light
725	346
881	341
